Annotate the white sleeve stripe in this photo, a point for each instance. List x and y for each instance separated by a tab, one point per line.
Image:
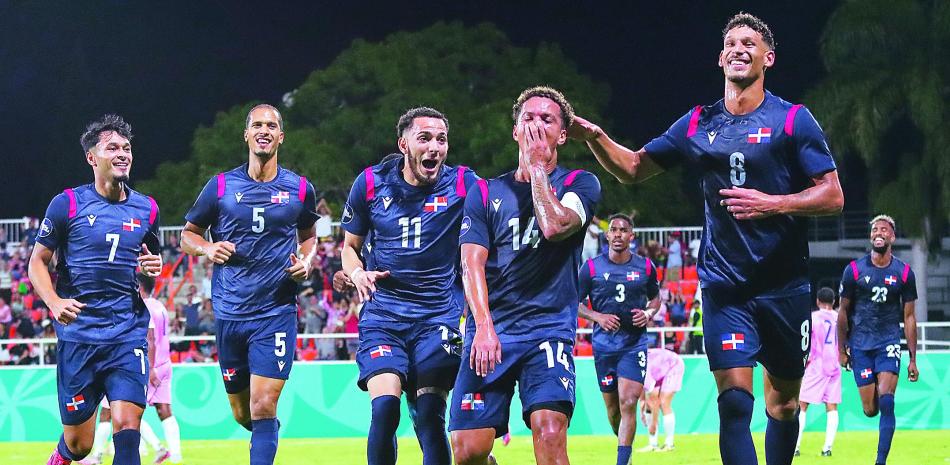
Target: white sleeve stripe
572	201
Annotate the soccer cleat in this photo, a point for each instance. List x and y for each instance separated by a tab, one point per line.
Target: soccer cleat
826	453
161	455
92	459
506	439
492	460
666	448
798	453
56	459
648	448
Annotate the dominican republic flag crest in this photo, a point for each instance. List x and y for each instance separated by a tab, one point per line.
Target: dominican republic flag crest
436	203
473	401
74	403
890	280
633	275
131	224
866	373
228	373
280	197
607	380
759	136
733	341
381	351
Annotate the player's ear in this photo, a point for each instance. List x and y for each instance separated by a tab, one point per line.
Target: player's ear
90	158
719	60
280	137
245	135
403	145
769	58
562	137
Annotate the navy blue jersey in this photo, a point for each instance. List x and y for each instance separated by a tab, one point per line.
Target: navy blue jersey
616	288
261	219
776	149
97	244
412	232
532	282
878	296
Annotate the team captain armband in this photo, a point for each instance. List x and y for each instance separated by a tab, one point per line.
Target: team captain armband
572	201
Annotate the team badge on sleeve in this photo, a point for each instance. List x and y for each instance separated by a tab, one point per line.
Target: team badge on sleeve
733	341
46	228
466	225
347	214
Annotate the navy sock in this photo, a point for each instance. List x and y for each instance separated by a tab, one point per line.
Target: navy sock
780	440
64	451
735	438
623	454
381	443
264	441
430	429
886	427
127	447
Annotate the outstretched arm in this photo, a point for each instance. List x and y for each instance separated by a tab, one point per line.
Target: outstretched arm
626	165
823	198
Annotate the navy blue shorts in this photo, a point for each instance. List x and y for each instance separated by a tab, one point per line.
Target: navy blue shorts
544	371
630	364
87	372
774	331
866	364
421	354
263	347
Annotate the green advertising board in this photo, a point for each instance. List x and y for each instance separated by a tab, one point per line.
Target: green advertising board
322	400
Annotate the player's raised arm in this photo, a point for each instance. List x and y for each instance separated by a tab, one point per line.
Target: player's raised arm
555	220
486	349
193	243
626	165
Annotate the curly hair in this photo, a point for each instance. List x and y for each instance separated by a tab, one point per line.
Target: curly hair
567	111
751	22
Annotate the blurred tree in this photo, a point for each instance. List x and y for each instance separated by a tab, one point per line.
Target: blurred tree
885	99
342	118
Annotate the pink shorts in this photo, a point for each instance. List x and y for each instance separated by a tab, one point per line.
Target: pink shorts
163	393
820	389
672	380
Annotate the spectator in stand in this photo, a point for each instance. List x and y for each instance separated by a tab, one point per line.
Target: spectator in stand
191	312
677	310
694	249
206	318
324	224
6	280
206	282
592	240
674	257
351	325
696	337
326	347
29	235
315	317
6	315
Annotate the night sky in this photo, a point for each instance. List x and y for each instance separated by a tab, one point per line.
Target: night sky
168	67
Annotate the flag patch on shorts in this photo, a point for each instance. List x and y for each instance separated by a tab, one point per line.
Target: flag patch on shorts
381	351
473	401
733	341
74	403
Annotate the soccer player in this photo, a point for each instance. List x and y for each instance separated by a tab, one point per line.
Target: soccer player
764	166
822	381
101	234
260	215
664	379
521	239
877	291
160	377
405	213
622	291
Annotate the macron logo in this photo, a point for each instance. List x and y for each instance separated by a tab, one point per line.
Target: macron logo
496	203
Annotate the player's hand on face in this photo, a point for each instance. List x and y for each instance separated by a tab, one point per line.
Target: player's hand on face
583	130
639	317
533	144
220	252
749	204
365	282
65	310
912	373
299	269
341	282
609	322
150	263
486	351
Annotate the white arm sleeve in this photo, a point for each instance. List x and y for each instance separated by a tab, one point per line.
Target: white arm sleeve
572	201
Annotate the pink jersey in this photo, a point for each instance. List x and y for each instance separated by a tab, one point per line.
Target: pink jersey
159	323
823	358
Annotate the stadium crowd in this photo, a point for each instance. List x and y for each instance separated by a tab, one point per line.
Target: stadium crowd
185	289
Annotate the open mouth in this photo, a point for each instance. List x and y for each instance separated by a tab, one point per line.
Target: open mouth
122	165
430	164
262	141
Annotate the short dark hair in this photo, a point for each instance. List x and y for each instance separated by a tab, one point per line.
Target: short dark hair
390	157
147	283
108	123
751	22
405	121
567	111
620	216
826	296
280	118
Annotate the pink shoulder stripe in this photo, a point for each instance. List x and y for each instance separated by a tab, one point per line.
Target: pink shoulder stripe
460	182
72	202
483	187
153	211
570	177
649	266
906	273
302	189
220	185
370	183
790	119
694	120
854	270
590	267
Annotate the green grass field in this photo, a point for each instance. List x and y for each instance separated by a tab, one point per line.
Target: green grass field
910	448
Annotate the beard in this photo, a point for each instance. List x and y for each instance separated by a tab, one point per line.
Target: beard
882	249
122	178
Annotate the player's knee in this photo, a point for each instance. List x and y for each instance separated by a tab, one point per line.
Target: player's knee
164	411
468	452
550	433
264	405
736	404
80	447
628	405
241	414
870	408
783	410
